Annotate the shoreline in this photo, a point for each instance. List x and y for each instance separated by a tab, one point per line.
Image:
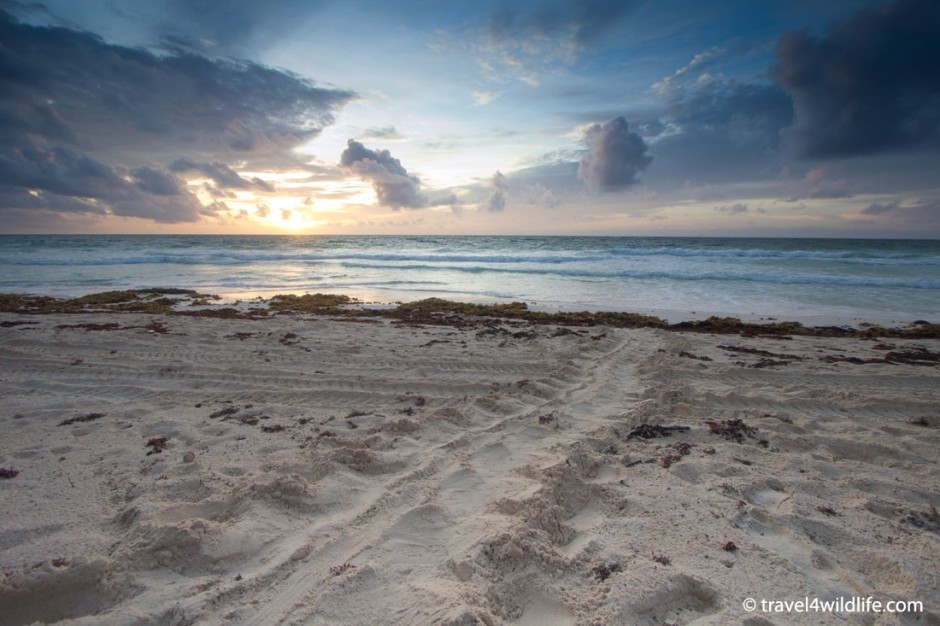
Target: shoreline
172	301
381	299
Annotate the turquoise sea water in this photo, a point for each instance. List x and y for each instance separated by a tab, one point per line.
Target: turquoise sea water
784	278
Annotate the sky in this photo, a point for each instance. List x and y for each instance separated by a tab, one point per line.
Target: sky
792	118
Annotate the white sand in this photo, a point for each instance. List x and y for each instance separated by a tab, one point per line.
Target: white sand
481	478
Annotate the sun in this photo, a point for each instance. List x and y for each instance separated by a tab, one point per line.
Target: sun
290	220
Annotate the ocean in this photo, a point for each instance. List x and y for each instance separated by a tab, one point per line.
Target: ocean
678	278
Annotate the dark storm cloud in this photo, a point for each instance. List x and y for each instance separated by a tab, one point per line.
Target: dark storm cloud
156	182
615	158
718	131
871	84
36	176
394	186
85	125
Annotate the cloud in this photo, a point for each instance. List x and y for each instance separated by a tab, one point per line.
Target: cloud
525	44
827	181
156	182
232	26
918	217
540	195
34	175
223	176
87	126
481	98
497	201
694	70
394	186
733	209
582	21
718	131
876	208
615	158
870	84
386	133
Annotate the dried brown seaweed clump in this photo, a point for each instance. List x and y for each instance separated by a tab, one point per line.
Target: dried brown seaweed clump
732	430
157	445
82	418
603	571
650	431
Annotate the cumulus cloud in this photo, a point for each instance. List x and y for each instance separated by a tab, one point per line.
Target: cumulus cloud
615	158
394	186
870	84
87	126
497	201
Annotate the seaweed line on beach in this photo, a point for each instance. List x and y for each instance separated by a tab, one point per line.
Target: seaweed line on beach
431	311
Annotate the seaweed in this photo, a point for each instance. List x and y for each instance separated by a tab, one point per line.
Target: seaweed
437	311
82	418
662	559
225	313
927	520
668	460
914	356
157	445
762	353
648	431
603	571
311	303
732	430
90	326
229	410
9	472
339	570
729	547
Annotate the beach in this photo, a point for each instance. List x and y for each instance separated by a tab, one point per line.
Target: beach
327	469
